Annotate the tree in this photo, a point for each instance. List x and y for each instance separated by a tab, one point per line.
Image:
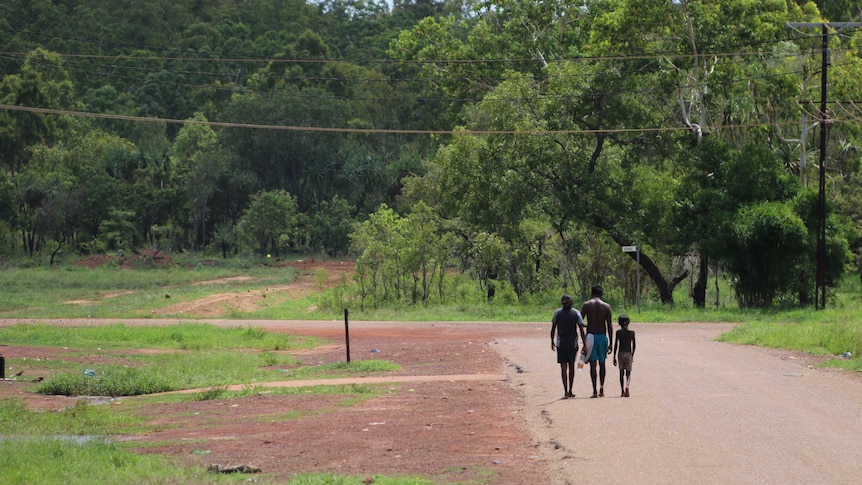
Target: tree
380	246
329	227
199	165
42	82
428	248
282	159
269	221
764	250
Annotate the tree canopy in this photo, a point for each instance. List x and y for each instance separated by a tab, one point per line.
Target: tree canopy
519	142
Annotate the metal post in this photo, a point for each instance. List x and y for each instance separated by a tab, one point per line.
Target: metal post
639	278
346	335
637	251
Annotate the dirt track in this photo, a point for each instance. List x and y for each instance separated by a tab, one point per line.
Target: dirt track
700	411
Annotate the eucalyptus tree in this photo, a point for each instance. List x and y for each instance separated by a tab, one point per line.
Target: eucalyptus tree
199	165
844	164
401	257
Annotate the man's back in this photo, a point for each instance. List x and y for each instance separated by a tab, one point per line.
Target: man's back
597	313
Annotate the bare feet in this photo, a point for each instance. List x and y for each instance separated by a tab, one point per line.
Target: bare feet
627	392
601	392
594	395
623	394
570	395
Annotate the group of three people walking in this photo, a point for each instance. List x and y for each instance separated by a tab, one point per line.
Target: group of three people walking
599	342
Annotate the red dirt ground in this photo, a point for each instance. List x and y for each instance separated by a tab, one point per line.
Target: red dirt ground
449	429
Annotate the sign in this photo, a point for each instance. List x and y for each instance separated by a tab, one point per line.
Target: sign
630	249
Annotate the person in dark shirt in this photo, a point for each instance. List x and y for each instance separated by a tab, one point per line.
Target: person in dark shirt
565	325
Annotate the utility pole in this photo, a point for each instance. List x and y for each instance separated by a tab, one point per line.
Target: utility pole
825	123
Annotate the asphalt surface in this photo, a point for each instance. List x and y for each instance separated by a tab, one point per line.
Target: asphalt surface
700	411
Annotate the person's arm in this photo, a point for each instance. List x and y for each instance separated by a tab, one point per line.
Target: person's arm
634	343
553	332
581	325
610	325
616	347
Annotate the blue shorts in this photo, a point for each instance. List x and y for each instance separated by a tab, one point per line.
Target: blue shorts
600	347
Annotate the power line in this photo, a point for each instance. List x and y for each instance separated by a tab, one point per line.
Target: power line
217	124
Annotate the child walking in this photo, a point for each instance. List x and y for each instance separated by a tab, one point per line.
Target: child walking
625	345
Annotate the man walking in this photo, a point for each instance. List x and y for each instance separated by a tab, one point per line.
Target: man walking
600	332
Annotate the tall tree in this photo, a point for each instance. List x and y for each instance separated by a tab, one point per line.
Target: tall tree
42	82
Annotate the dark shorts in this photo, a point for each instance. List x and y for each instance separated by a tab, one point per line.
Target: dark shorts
564	356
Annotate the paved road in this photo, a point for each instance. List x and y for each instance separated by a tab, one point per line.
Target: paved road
700	411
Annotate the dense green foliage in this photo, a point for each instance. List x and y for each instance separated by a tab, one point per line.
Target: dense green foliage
517	142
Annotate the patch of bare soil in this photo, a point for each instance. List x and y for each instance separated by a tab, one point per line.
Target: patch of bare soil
448	414
141	259
312	276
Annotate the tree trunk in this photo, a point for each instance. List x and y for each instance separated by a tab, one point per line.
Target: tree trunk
665	288
698	293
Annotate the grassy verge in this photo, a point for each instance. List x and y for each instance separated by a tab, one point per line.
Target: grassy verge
195	355
49	461
185	336
69	447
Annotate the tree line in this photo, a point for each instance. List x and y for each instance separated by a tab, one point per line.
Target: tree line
519	142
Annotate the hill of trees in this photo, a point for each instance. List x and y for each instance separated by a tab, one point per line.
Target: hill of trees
521	142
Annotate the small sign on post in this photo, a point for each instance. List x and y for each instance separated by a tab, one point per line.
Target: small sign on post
635	249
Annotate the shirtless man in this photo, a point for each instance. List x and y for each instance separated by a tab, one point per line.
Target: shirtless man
600	332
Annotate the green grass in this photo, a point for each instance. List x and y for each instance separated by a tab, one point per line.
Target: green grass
79	420
195	355
184	336
62	461
147	374
331	479
67	291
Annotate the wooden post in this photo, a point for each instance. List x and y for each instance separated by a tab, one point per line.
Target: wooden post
346	335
